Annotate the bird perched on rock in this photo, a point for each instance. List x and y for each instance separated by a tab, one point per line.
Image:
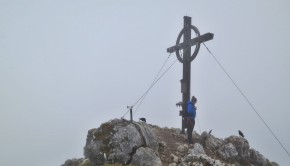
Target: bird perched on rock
143	119
241	134
209	132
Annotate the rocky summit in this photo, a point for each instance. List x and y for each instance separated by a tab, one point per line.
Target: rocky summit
121	142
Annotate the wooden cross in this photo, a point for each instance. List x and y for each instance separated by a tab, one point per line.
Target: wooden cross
187	58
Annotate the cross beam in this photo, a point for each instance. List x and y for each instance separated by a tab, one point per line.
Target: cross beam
186	59
200	39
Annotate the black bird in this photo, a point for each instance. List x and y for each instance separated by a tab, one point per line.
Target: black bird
143	119
241	134
209	132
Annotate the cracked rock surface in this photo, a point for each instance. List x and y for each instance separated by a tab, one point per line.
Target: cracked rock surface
121	142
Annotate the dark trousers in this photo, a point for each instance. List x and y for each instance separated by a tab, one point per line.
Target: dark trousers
190	122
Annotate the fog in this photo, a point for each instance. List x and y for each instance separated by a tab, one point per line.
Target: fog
68	66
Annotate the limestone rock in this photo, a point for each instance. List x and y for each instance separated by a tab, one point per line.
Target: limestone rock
196	137
182	148
257	158
120	142
202	158
162	144
86	162
241	144
145	157
174	158
227	151
197	149
210	142
118	139
172	164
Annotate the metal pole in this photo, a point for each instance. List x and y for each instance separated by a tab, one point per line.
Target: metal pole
131	115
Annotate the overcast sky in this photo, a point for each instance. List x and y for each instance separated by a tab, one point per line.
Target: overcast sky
67	66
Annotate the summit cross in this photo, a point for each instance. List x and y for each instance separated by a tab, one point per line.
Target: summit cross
187	58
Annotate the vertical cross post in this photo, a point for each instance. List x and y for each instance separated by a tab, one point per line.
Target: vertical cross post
186	68
186	59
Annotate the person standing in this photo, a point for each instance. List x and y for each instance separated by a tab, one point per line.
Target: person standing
190	118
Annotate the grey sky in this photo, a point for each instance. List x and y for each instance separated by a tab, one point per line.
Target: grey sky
68	66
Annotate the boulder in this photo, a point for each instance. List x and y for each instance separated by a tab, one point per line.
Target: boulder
258	159
162	144
174	158
241	144
227	151
197	149
119	140
182	148
210	142
145	157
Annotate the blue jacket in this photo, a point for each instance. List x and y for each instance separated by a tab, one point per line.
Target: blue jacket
191	109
